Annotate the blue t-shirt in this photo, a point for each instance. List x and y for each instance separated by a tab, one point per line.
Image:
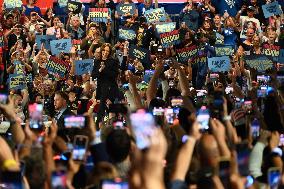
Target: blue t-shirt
232	6
29	10
230	36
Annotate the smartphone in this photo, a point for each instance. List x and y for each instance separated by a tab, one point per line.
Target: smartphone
143	125
229	90
80	147
3	98
178	101
274	176
248	106
263	80
281	141
213	77
35	115
280	78
203	118
169	114
243	153
59	179
158	111
262	92
148	75
111	184
255	129
12	179
125	86
78	121
224	171
201	93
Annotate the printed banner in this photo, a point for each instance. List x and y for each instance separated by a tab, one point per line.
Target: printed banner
219	64
84	66
281	56
126	34
45	39
155	15
165	27
125	8
187	53
99	14
11	4
258	62
62	3
19	67
61	45
17	81
74	7
57	66
271	9
271	51
139	53
224	50
170	38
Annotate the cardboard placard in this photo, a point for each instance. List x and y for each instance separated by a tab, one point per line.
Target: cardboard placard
224	50
74	7
57	66
62	3
155	15
170	38
45	39
19	67
258	62
271	51
165	27
84	66
11	4
139	53
61	45
99	14
271	9
187	53
17	81
219	64
125	8
127	34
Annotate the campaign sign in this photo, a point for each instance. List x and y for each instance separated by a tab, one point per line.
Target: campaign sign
187	53
271	51
219	64
17	81
170	38
62	3
125	8
99	14
61	45
74	7
57	66
44	39
165	27
29	78
281	56
271	9
19	67
84	66
1	40
11	4
224	50
155	15
259	62
126	34
139	53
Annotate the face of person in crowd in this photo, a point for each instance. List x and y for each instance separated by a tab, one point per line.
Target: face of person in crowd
31	2
102	3
10	21
271	34
18	100
250	33
229	22
93	31
75	21
105	52
250	13
39	99
18	30
98	53
72	96
49	12
187	36
253	2
206	25
85	77
256	40
217	19
33	16
56	21
59	102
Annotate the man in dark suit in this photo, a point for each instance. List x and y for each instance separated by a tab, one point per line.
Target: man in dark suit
61	107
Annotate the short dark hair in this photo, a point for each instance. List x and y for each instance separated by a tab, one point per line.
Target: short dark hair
118	145
63	95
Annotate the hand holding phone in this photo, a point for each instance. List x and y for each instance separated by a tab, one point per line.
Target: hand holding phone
78	121
35	115
80	148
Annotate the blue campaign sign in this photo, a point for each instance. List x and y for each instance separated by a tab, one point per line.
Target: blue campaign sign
224	50
155	15
61	45
219	64
45	39
165	27
271	9
17	81
19	67
259	62
139	53
62	3
84	66
11	4
281	56
126	34
126	8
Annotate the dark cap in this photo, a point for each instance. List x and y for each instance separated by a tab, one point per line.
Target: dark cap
250	8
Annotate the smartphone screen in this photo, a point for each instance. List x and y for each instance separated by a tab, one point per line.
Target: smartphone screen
201	92
108	184
214	77
263	80
248	106
148	74
255	128
3	98
80	148
280	78
58	179
35	113
229	90
243	158
176	102
262	92
203	118
281	141
224	172
74	122
158	111
274	176
143	125
169	113
12	179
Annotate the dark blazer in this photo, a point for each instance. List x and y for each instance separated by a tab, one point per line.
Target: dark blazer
62	132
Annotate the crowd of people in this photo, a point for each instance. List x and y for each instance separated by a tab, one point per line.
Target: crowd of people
155	123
